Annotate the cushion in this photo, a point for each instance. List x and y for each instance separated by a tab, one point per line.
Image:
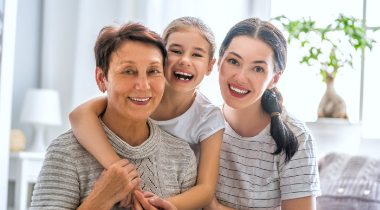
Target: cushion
349	182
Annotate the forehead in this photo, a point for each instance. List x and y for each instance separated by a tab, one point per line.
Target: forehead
188	37
136	51
250	48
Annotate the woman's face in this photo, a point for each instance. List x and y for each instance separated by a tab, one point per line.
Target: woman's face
246	70
135	81
188	60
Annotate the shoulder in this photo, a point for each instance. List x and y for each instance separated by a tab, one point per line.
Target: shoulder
296	126
306	142
206	110
65	145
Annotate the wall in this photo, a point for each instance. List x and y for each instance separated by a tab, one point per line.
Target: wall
27	59
6	83
60	23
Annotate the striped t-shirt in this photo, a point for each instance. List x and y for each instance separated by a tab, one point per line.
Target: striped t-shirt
250	177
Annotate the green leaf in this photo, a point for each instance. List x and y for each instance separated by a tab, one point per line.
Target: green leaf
323	73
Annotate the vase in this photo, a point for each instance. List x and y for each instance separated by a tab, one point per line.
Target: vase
17	140
331	105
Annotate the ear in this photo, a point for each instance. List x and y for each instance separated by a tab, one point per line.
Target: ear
275	79
210	67
100	79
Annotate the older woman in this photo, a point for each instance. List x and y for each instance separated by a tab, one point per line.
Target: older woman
129	66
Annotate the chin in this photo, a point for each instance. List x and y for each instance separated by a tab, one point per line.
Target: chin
239	104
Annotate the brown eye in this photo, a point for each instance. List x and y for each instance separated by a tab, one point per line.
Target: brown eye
175	51
233	61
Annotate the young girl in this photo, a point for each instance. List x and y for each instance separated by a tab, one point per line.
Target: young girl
183	111
267	160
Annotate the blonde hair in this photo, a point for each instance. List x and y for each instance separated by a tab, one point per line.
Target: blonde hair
191	22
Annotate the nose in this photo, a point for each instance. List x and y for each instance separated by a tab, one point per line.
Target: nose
185	61
241	76
142	83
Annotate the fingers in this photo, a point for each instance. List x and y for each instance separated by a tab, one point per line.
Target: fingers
147	194
138	187
143	201
136	204
122	162
133	174
159	202
126	202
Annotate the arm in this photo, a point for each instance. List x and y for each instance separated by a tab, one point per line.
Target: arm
215	205
208	172
90	133
304	203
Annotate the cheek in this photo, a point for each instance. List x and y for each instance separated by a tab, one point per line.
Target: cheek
224	74
170	61
158	85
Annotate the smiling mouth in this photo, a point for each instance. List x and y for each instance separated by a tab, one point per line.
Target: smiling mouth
139	99
183	76
238	91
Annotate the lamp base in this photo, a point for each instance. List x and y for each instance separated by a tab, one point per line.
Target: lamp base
38	144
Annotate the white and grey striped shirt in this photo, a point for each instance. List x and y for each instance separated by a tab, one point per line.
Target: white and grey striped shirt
250	177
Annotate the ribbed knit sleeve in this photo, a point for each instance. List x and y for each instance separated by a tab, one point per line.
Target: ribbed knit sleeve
190	178
57	185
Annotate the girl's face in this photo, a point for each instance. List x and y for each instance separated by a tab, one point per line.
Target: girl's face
246	70
188	60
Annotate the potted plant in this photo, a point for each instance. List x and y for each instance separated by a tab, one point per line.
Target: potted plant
323	49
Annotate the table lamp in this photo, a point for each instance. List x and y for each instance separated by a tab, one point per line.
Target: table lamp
41	108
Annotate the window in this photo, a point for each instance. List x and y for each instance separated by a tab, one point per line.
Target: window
303	96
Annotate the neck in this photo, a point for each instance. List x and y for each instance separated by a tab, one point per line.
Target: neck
247	122
133	132
173	104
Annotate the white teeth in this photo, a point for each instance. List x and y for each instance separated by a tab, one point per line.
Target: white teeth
182	73
181	78
137	99
238	90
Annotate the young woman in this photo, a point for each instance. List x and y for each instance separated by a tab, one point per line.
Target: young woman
267	160
183	111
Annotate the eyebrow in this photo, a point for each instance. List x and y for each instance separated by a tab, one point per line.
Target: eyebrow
126	61
264	62
131	62
237	55
196	48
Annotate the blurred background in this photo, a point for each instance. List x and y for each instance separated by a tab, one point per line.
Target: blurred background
49	44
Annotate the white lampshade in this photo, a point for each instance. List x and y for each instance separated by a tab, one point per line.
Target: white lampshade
41	106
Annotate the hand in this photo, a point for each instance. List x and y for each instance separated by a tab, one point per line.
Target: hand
113	185
150	201
127	201
214	205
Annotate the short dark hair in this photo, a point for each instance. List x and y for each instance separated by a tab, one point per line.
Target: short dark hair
111	37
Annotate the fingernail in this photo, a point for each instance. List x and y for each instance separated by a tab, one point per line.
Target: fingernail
152	200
